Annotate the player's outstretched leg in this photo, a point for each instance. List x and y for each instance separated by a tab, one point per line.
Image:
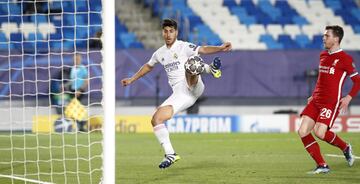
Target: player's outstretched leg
349	156
321	169
335	140
214	68
169	160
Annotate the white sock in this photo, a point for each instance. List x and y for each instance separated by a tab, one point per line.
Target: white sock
162	134
207	68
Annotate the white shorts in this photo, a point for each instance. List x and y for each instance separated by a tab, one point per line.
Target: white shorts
183	97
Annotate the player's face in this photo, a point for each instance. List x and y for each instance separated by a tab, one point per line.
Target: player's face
169	35
328	39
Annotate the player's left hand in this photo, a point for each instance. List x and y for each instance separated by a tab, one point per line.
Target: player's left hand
344	103
226	46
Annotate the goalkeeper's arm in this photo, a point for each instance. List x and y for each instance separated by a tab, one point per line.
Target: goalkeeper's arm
146	68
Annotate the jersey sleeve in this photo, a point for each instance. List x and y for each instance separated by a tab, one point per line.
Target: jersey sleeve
153	60
350	67
191	49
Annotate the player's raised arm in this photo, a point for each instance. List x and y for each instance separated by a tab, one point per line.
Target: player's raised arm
214	49
146	68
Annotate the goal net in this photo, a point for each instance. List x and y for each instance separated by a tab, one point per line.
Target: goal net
51	91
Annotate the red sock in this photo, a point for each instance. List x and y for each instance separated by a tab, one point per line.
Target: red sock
335	140
313	148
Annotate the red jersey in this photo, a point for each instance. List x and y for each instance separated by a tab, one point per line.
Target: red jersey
333	69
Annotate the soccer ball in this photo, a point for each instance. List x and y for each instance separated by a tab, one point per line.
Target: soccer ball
194	65
64	125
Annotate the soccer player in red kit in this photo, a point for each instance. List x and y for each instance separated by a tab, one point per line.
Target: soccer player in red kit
326	101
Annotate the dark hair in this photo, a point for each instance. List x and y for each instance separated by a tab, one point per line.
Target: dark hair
169	23
337	31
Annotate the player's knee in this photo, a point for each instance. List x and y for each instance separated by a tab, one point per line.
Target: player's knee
319	134
302	132
155	120
158	119
192	80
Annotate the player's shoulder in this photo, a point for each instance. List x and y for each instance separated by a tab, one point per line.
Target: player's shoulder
182	43
324	53
345	56
160	50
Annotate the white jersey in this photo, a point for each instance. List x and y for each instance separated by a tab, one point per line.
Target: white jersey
173	59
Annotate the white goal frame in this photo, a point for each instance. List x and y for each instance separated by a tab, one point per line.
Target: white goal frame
108	39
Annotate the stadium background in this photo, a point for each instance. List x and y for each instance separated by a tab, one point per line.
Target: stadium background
273	65
266	81
266	78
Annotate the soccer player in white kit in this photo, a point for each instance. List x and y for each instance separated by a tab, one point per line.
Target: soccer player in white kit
186	88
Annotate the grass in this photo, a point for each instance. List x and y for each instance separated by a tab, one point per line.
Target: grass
230	158
44	154
206	158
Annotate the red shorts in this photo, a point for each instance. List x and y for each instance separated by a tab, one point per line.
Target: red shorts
322	113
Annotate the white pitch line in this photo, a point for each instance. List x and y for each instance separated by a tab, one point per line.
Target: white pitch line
340	156
24	179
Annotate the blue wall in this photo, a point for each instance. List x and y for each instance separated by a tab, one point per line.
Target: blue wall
245	74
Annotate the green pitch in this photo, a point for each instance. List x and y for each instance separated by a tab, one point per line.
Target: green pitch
206	158
45	154
230	158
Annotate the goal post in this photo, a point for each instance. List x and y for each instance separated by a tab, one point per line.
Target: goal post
57	91
109	91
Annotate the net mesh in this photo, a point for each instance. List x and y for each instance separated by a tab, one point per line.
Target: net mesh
50	91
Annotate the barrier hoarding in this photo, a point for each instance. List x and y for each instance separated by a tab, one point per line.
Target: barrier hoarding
341	123
133	124
198	124
124	124
264	123
203	124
